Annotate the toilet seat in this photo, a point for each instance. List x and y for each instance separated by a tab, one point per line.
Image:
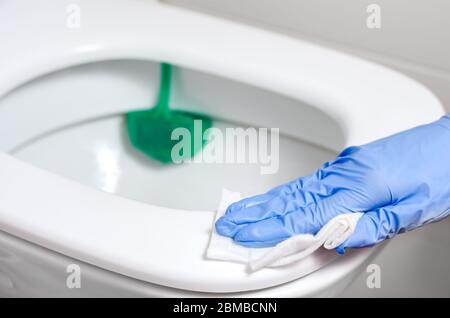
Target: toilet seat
365	99
154	244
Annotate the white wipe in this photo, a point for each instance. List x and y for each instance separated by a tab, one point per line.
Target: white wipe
294	249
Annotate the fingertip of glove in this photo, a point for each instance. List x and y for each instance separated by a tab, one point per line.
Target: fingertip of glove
341	249
234	206
225	227
244	235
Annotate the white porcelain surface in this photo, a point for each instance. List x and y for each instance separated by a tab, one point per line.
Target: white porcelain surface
361	100
54	129
366	99
98	153
28	270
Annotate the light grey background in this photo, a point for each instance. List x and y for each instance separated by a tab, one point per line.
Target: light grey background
415	39
414	36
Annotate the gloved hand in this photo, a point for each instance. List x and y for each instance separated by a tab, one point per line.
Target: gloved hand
401	182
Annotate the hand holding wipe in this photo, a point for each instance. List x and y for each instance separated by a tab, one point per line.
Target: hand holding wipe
400	182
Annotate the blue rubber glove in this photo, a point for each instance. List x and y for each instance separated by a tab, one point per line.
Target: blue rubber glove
401	182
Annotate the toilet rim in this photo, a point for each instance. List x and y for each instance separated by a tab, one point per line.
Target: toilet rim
311	74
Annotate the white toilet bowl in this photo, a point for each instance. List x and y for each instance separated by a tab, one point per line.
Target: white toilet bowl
63	92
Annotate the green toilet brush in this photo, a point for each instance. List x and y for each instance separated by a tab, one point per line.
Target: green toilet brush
150	130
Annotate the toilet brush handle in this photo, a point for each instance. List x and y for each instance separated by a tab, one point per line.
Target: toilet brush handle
164	88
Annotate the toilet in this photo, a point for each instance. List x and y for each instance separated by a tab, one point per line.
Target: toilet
76	199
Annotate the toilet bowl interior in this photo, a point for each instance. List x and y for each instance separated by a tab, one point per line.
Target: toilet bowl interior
98	153
71	122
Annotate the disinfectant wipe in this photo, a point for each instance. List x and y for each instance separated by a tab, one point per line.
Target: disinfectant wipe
294	249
